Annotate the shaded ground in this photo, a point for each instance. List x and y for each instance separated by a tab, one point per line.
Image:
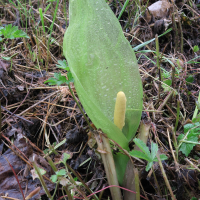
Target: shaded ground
34	115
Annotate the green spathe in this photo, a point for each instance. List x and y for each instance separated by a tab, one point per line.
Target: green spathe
102	63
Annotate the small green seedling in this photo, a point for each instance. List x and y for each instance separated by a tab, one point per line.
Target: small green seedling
64	178
191	132
11	32
58	78
52	149
190	79
42	171
146	154
189	139
195	48
59	174
9	59
193	198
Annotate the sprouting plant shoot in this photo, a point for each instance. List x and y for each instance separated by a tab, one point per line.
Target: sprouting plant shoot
189	139
11	32
58	78
146	154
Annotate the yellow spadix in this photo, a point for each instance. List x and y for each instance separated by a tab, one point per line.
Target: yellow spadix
120	110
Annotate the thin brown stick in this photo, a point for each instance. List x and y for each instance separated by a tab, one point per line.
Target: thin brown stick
165	178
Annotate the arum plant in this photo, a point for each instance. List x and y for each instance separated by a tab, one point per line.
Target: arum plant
103	63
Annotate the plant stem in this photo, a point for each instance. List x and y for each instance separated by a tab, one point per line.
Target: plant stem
158	65
55	190
42	181
88	189
196	109
175	145
165	178
52	164
68	193
75	185
137	183
0	119
143	132
177	116
192	164
181	33
109	165
175	30
156	183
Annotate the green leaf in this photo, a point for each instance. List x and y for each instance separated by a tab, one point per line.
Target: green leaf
42	19
190	79
66	157
143	147
187	127
167	82
154	150
190	127
70	77
46	151
61	172
195	48
103	63
193	62
47	8
197	119
10	32
63	65
186	148
180	137
146	154
6	58
149	165
166	74
58	80
51	81
193	198
139	154
42	171
162	157
54	178
192	131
